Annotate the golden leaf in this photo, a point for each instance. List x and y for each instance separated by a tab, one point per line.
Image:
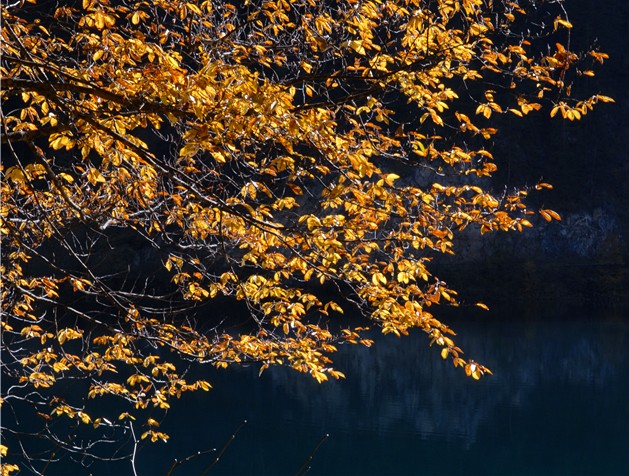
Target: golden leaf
604	98
67	177
94	176
358	47
390	178
335	307
561	22
85	418
554	214
204	385
15	174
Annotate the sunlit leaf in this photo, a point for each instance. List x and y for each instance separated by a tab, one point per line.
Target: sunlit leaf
94	176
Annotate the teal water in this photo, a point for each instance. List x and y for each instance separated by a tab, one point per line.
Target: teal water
557	405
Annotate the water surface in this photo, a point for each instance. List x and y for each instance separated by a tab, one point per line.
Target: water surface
556	405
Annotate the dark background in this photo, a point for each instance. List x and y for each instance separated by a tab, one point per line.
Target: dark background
583	258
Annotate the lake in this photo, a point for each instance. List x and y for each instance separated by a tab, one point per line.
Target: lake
556	405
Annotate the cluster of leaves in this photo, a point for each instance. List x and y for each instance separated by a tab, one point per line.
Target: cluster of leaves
277	153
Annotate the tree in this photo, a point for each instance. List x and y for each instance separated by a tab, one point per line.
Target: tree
302	159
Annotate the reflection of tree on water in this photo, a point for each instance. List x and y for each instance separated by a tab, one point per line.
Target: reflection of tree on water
558	387
403	387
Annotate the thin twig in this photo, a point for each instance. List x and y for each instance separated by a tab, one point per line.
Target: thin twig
177	462
220	453
135	449
305	467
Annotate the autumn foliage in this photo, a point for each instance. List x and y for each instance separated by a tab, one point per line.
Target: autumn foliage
305	159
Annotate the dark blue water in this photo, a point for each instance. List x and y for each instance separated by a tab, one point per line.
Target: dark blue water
557	405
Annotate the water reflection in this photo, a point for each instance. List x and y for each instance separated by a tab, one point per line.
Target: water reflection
556	405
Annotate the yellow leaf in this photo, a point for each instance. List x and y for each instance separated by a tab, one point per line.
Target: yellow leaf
554	214
357	46
59	141
561	22
219	157
15	174
67	177
9	468
470	369
85	418
390	178
378	278
542	185
335	307
189	150
172	62
444	353
598	56
320	376
605	98
482	306
94	176
525	222
204	385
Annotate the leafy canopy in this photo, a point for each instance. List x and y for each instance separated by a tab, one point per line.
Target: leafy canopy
303	158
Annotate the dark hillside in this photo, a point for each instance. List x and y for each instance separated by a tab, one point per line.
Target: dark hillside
584	257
